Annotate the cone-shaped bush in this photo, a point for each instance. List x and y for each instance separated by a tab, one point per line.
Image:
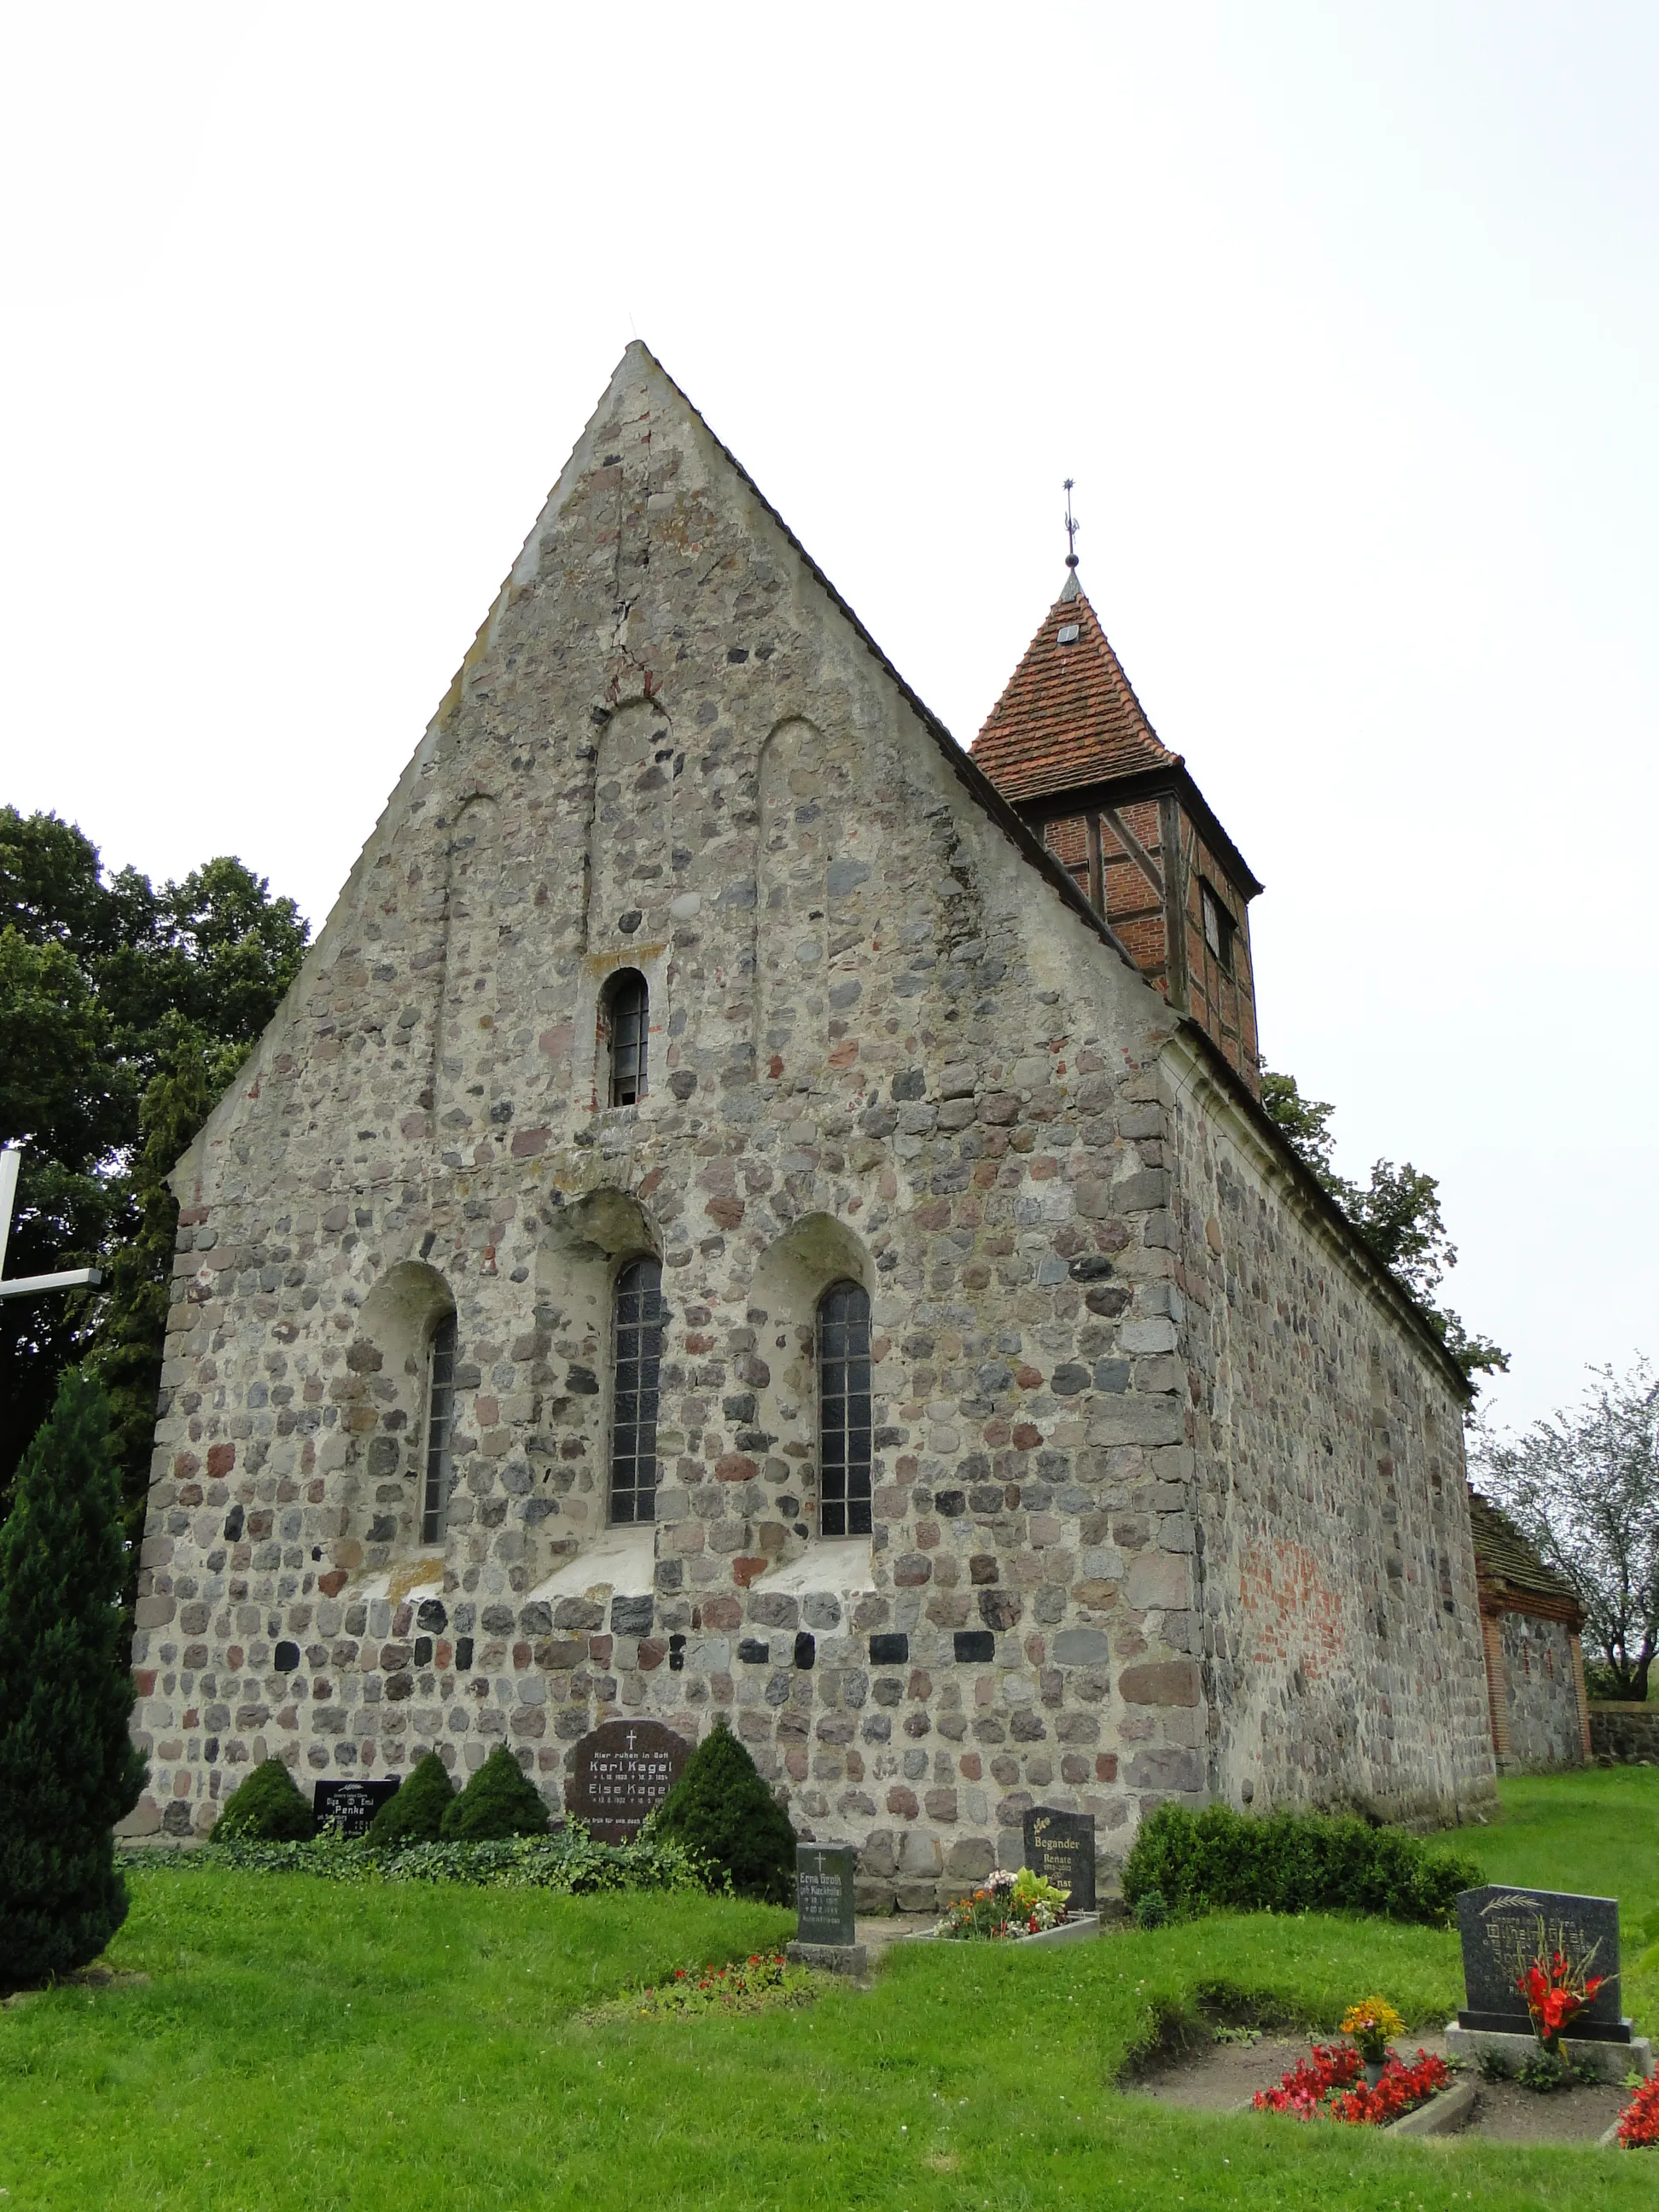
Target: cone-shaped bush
416	1813
68	1770
496	1803
266	1808
721	1808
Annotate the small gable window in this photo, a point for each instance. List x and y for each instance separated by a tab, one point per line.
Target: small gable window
624	1027
636	1363
844	1411
1220	928
1068	632
439	1418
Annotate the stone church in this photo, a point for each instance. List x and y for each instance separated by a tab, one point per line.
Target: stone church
750	1209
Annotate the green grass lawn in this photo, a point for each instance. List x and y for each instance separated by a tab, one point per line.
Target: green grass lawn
301	2045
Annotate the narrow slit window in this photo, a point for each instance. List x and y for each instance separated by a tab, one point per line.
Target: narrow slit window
440	1420
1218	928
636	1342
844	1411
629	1020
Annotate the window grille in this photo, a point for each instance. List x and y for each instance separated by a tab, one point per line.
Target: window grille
637	1351
440	1417
844	1411
629	1014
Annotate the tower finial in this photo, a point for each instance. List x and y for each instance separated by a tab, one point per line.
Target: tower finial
1071	528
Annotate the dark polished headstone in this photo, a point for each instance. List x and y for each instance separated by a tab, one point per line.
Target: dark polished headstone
621	1772
348	1806
1504	1930
1060	1846
823	1892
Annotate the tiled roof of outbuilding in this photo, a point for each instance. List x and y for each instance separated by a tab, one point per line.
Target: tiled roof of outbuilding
1068	713
1506	1561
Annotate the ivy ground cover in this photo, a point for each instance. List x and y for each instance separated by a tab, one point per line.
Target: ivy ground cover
301	2045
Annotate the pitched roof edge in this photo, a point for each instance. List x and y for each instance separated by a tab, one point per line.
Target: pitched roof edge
1318	1199
966	770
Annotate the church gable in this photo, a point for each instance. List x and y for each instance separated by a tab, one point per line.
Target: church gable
700	1236
617	764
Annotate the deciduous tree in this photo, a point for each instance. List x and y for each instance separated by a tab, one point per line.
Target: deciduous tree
124	1010
1584	1486
1396	1215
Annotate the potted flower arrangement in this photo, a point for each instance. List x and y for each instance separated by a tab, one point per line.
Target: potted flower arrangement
1373	2023
1009	1906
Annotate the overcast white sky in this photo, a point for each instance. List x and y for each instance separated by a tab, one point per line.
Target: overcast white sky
1344	318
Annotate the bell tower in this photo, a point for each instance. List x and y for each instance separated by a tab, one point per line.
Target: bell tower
1069	747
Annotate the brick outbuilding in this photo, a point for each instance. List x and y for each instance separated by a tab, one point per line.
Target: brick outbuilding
1531	1623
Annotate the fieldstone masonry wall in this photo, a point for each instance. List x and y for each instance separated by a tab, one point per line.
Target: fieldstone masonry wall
1541	1673
1332	1562
882	1043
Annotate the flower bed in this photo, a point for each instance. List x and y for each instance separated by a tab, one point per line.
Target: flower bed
1327	2085
1638	2123
759	1982
1009	1906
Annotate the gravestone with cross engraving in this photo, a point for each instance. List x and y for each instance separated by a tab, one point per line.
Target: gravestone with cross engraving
823	1892
826	1933
621	1772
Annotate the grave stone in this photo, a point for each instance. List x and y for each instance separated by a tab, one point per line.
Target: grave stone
1504	1930
1060	1846
348	1806
826	1934
619	1773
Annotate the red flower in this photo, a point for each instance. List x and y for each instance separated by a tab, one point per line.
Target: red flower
1638	2123
1552	1999
1326	2086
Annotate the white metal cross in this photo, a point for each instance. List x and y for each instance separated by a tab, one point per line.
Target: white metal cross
25	1286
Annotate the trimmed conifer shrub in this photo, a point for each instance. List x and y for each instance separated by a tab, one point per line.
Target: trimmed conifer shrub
721	1809
68	1769
1222	1861
497	1802
416	1813
266	1808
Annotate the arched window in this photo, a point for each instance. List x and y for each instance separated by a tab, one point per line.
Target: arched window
439	1415
844	1411
637	1357
624	1028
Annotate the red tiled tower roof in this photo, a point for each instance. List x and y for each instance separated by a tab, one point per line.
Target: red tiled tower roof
1068	714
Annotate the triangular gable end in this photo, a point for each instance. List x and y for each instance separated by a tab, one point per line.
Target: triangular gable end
614	615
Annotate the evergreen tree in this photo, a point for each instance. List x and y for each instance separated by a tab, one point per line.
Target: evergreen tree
265	1808
416	1813
68	1770
499	1801
721	1809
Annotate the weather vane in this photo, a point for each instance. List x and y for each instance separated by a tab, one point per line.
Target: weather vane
1071	527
